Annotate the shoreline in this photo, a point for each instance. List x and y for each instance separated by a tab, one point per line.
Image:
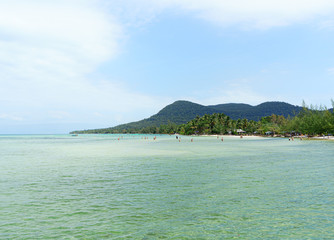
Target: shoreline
324	138
327	138
219	135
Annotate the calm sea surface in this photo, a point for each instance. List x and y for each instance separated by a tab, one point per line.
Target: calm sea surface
99	187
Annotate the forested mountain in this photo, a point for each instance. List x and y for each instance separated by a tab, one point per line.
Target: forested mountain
181	112
232	107
241	111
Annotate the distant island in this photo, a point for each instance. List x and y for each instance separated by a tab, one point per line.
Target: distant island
267	118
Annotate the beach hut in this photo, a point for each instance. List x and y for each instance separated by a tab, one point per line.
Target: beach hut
240	131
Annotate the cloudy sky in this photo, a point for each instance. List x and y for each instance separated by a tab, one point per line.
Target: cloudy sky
81	64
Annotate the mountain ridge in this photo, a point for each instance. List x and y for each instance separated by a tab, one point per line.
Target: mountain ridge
182	111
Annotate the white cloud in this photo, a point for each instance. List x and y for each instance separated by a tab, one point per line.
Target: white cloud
58	39
50	50
136	13
261	14
331	71
47	50
327	24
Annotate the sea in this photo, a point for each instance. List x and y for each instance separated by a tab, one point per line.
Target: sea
195	187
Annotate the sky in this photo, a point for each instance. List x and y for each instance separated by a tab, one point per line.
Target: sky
82	64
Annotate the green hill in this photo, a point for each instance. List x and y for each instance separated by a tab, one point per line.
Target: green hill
181	112
177	113
236	111
233	110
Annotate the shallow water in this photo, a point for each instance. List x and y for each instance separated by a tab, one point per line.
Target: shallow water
99	187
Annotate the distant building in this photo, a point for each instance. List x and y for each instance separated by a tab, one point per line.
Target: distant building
240	131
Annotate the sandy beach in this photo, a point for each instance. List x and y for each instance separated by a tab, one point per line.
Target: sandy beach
235	136
253	136
324	138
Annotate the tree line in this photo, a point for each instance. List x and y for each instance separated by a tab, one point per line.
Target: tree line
310	121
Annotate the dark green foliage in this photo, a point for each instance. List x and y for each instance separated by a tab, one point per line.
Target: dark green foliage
236	111
219	123
272	118
181	112
310	121
313	121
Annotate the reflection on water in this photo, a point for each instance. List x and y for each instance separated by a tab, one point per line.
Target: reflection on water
96	186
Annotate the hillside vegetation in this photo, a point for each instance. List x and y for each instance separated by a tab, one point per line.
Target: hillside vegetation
309	121
181	112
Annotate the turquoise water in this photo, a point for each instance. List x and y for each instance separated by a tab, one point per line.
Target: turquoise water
99	187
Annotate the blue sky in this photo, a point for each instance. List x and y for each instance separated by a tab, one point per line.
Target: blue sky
71	64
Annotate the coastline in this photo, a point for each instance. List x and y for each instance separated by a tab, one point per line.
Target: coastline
236	136
327	138
324	138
